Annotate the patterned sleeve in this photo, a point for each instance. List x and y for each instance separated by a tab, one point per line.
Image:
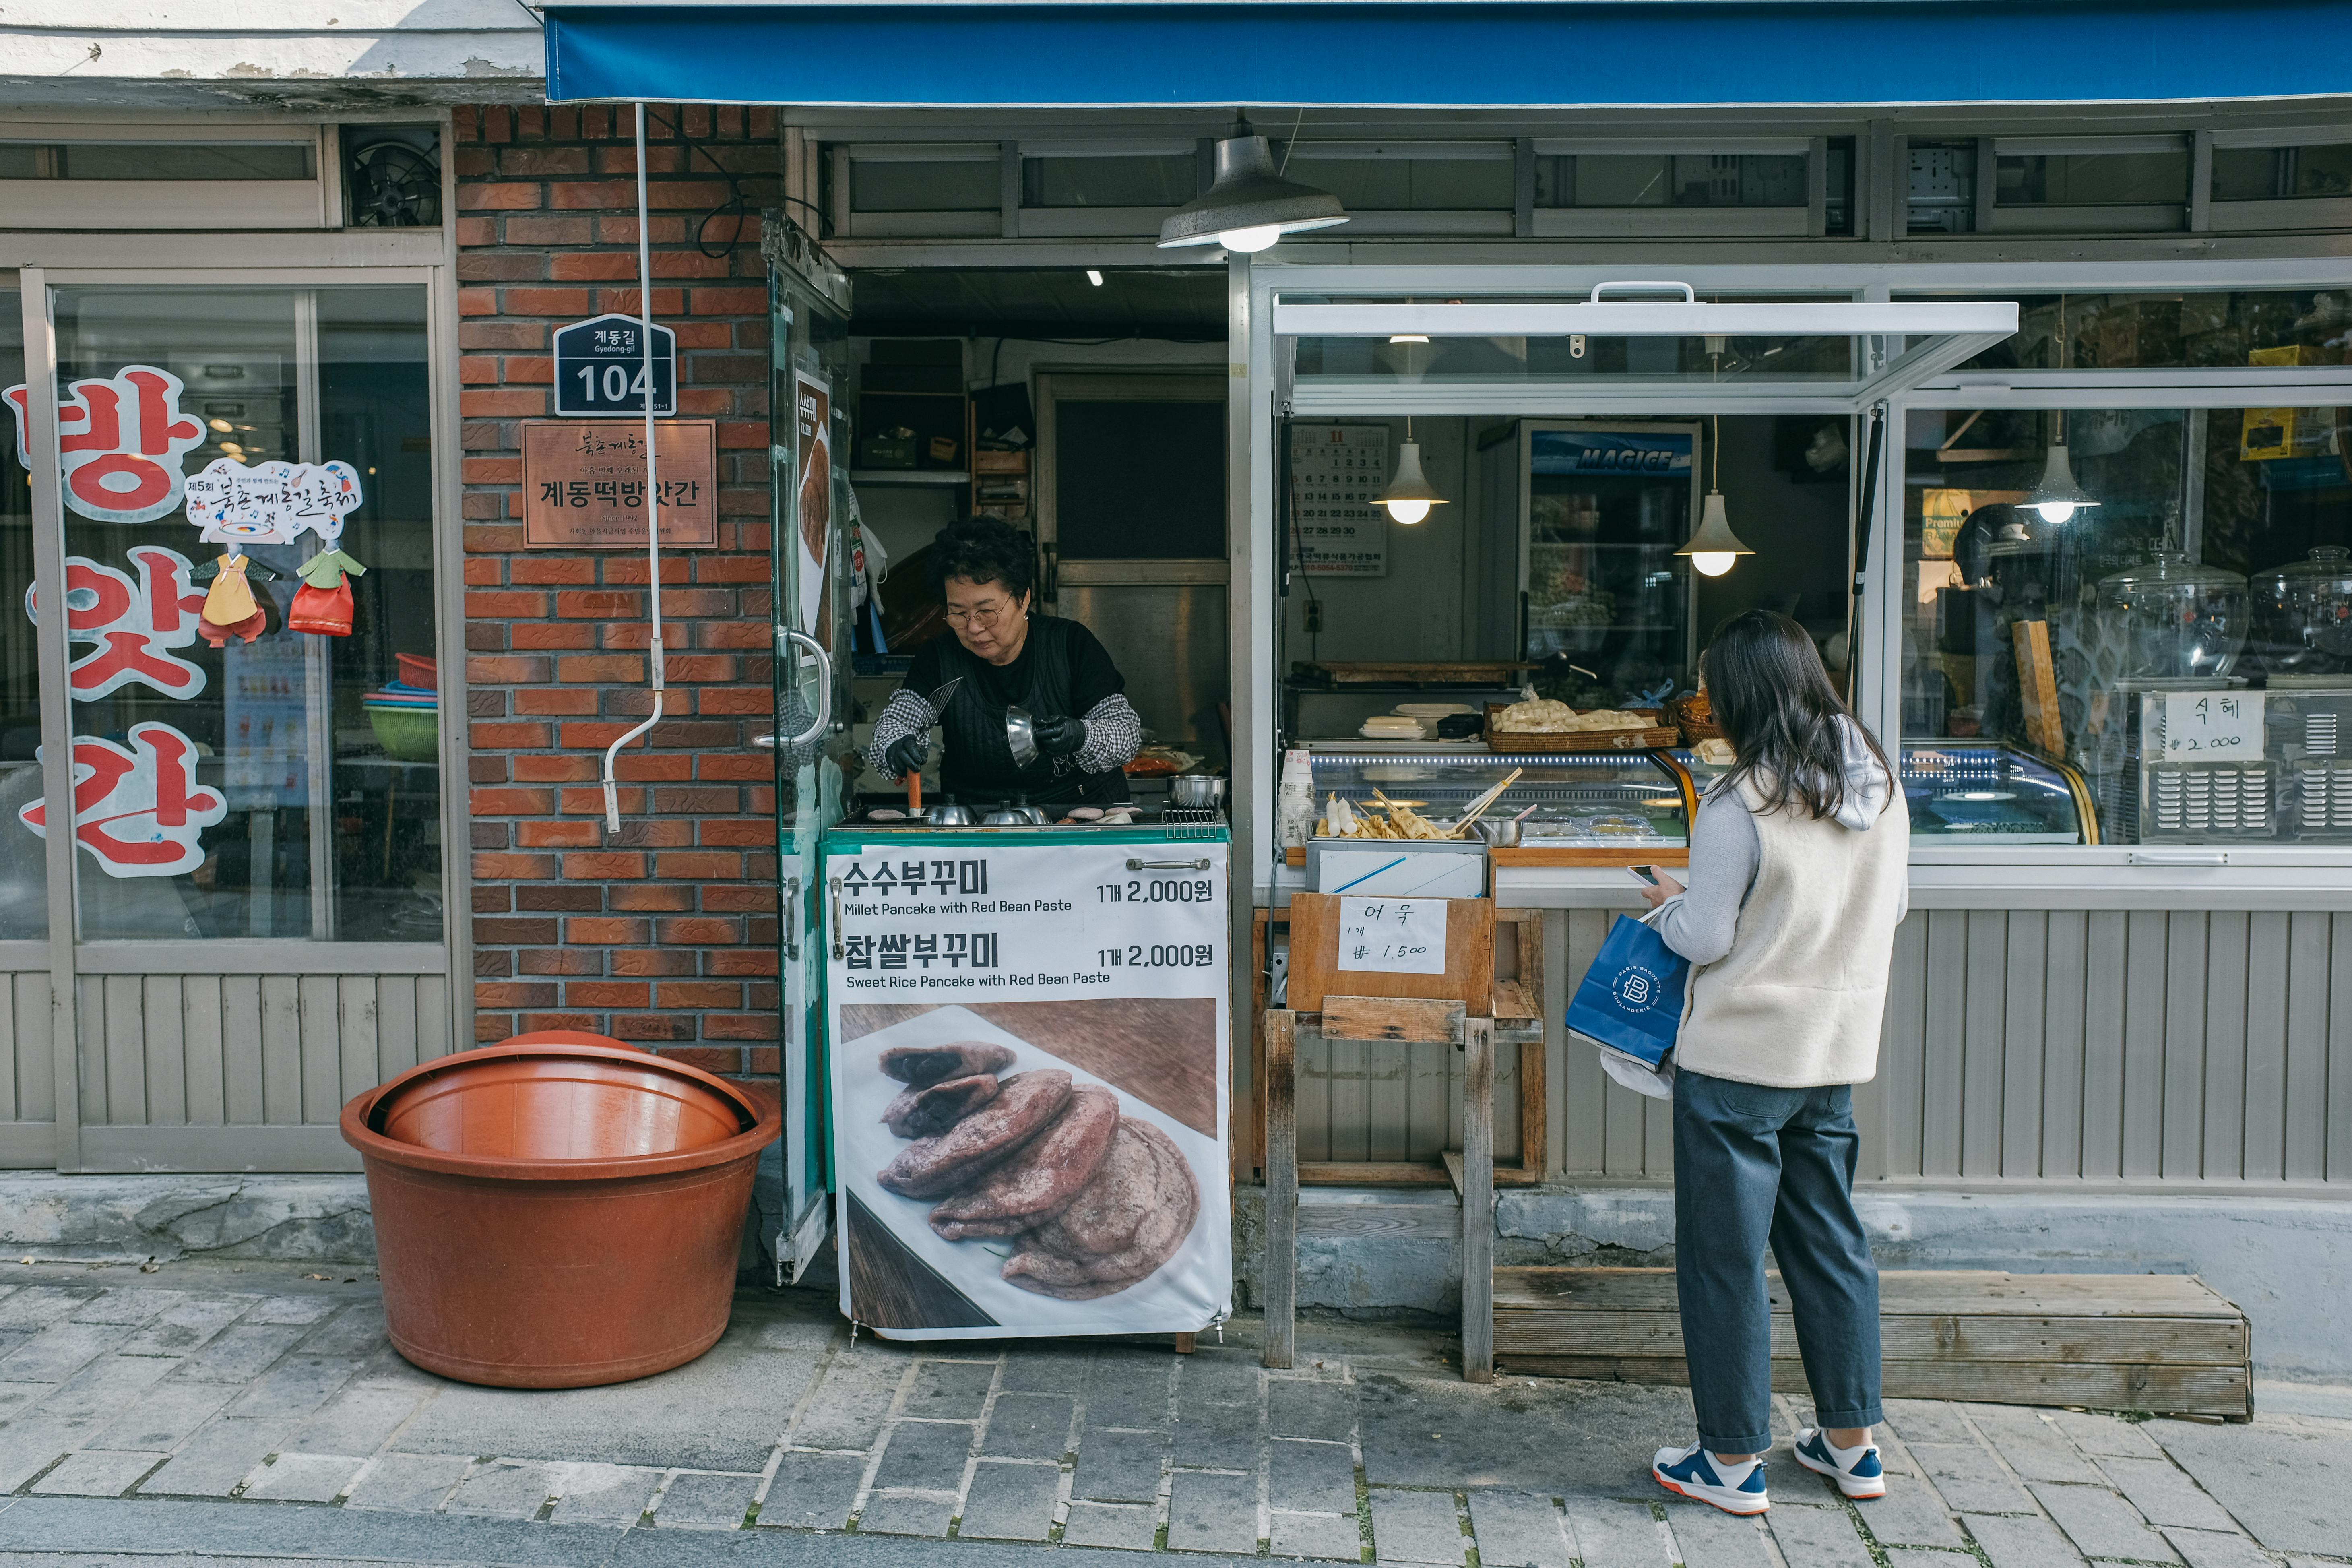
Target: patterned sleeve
905	714
1114	734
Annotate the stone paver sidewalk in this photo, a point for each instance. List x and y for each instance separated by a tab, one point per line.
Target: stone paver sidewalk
272	1386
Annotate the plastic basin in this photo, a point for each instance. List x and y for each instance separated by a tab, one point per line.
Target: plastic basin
555	1214
409	734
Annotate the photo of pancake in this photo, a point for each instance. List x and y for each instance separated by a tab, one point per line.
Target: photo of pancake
1044	1167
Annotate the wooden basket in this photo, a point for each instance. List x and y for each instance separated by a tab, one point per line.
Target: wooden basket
1648	740
1692	731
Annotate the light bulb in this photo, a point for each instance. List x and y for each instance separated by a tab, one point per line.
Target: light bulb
1407	511
2055	510
1249	241
1408	337
1094	276
1711	562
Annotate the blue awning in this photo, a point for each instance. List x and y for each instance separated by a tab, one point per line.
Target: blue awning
1439	54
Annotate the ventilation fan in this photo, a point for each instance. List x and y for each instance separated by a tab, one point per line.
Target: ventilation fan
393	185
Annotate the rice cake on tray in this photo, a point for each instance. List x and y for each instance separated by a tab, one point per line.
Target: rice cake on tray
1643	734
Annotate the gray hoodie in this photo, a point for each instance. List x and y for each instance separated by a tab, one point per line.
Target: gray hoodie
1725	853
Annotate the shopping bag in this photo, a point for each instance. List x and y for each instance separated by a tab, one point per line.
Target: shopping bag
1631	1000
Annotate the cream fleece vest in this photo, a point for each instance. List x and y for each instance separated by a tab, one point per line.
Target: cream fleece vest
1797	1000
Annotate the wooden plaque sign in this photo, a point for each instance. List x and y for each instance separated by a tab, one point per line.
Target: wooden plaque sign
584	483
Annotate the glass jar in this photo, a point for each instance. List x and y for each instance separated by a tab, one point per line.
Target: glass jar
2302	614
2169	619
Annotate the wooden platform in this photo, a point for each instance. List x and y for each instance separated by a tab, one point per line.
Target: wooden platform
2165	1342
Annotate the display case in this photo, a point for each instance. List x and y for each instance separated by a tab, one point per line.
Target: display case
1986	792
1598	808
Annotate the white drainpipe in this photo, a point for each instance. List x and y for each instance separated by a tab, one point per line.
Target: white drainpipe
653	488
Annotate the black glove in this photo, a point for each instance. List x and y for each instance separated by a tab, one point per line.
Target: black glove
1059	735
905	755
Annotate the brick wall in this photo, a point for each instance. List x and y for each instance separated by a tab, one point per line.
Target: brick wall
667	934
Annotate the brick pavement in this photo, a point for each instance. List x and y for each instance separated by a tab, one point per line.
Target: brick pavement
271	1386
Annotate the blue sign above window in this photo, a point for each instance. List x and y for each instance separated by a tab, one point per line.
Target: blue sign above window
600	371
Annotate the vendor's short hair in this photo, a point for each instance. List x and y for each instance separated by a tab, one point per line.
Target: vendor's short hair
984	550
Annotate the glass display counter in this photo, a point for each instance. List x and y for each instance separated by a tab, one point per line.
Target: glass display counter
1602	807
1990	793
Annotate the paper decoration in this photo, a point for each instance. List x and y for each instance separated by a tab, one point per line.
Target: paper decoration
271	503
138	811
119	440
1392	936
133	625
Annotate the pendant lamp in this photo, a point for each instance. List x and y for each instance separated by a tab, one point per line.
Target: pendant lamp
1249	204
2058	498
1714	547
1410	495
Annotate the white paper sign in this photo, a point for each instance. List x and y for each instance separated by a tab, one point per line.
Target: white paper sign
1392	936
2212	726
272	503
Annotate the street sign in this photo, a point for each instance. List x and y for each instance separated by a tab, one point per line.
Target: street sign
600	368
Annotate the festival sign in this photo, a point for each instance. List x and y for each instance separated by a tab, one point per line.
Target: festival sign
271	503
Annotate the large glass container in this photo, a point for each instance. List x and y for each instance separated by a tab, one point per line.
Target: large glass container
2169	618
1629	801
2302	614
1986	792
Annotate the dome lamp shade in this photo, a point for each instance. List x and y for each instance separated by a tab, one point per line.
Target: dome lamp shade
1249	204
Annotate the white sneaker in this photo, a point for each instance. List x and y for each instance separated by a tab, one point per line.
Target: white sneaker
1695	1473
1857	1471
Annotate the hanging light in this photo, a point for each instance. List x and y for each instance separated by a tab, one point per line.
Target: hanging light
2058	498
1249	204
1410	495
1714	547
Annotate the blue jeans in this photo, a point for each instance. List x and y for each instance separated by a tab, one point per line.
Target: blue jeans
1754	1164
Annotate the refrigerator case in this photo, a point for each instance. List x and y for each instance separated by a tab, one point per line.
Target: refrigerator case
2147	795
1607	505
1989	792
1636	801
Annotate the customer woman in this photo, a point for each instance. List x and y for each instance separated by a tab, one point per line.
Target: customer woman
1797	882
1001	657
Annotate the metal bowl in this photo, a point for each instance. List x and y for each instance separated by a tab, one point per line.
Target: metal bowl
948	813
1021	735
1196	791
1503	835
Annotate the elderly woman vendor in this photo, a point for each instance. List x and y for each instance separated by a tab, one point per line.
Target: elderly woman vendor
1007	656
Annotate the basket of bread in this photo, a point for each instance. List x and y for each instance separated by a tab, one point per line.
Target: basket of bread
1540	724
1694	717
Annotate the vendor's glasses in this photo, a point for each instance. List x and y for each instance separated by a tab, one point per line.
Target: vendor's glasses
980	615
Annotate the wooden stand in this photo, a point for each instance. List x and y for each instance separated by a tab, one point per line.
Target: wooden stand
1434	1020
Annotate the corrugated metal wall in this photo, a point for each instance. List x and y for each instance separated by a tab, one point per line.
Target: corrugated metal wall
2066	1046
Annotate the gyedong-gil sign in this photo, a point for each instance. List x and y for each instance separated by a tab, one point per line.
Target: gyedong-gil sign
600	368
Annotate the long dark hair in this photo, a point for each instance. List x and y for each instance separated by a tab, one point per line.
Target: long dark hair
1776	706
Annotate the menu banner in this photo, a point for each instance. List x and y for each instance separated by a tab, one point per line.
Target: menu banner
1028	1058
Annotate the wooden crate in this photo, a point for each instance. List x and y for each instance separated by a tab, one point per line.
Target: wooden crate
2165	1342
1315	970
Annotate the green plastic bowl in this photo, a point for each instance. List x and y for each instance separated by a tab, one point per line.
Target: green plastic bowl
411	734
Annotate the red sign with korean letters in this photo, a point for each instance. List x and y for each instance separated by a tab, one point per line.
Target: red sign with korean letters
119	439
139	810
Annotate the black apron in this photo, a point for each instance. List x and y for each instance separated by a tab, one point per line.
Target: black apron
978	768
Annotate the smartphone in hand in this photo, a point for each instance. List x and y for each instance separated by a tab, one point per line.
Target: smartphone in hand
1646	873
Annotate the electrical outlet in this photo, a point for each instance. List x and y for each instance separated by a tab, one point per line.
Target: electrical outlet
1310	616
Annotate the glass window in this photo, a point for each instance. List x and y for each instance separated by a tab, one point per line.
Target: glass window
2281	329
918	181
1941	189
244	771
23	875
1671	180
1408	179
2091	178
2171	661
157	160
1148	180
2281	173
1838	195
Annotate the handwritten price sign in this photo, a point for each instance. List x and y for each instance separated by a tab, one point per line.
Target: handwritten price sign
2212	726
1392	935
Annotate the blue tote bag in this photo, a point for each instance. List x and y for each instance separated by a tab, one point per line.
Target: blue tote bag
1631	998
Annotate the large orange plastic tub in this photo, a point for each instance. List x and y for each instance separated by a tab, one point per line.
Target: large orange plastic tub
555	1211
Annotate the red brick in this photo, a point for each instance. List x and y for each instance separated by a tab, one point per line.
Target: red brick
543	160
511	802
513	869
668	303
709	1058
747	701
593	266
562	897
478	301
554	634
547	231
492	470
513	196
557	836
659	897
632	568
507	605
555	699
601	603
698	994
710	302
478	371
739	1027
745	961
749	900
652	962
564	961
502	402
477	231
493	931
741	833
686	668
552	569
695	865
622	229
553	769
590	802
767	1060
686	603
753	767
653	767
599	666
506	737
604	930
562	302
484	574
697	931
489	1028
741	433
602	867
501	334
501	266
652	833
652	1026
531	1022
605	993
529	370
699	800
507	670
481	539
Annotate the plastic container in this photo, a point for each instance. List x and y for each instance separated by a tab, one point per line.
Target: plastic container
411	734
419	669
2170	619
557	1212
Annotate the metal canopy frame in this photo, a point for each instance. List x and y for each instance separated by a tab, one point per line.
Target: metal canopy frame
1898	346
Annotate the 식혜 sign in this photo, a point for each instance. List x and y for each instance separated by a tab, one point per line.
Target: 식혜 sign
1028	1051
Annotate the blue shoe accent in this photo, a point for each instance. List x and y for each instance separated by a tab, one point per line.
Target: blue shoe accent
1695	1473
1857	1471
